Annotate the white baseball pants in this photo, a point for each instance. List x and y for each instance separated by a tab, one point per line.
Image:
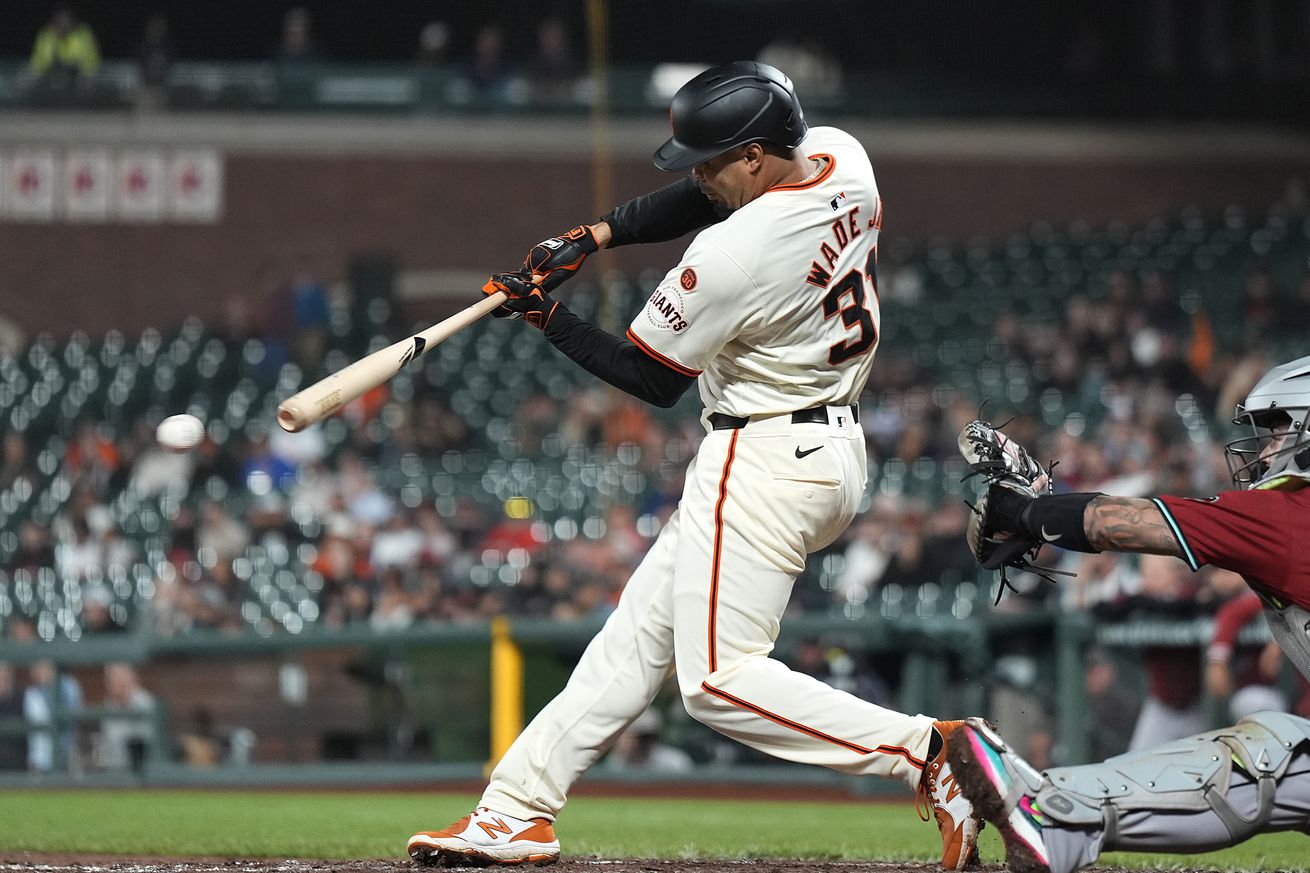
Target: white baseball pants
708	598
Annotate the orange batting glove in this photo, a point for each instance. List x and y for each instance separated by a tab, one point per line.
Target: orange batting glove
526	300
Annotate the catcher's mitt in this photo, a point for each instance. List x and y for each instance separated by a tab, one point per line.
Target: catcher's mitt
995	533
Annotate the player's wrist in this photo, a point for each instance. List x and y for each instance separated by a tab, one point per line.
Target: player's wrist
602	233
1058	519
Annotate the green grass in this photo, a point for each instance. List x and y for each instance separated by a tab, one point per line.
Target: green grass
375	825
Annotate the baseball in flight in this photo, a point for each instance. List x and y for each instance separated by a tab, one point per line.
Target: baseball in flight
180	432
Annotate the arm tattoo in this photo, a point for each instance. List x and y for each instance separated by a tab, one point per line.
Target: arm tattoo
1128	524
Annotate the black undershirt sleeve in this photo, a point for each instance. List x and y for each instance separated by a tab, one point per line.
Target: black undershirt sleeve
615	360
661	215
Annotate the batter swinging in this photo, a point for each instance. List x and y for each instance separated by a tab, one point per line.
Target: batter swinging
773	311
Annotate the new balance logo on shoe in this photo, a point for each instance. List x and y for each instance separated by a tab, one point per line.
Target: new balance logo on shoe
951	786
493	827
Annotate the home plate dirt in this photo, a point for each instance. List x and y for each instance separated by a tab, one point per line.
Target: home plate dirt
22	862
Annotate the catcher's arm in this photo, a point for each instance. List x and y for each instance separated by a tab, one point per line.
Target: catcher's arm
1126	524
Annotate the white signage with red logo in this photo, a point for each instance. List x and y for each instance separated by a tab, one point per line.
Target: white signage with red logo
139	183
29	183
87	183
195	186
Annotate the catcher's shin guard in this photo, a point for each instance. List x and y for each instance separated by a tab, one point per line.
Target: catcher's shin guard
1189	775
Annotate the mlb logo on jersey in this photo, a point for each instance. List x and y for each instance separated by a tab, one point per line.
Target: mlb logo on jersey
838	202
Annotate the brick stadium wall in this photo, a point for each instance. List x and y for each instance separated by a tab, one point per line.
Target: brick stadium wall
438	211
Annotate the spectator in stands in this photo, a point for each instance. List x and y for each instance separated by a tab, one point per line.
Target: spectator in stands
1112	709
393	608
1298	313
364	499
65	55
221	536
486	70
154	61
835	666
307	315
397	543
437	543
126	736
34	548
214	599
263	470
14	461
433	44
158	469
1172	708
812	68
98	616
1263	307
91	457
200	746
298	45
1235	673
553	65
1104	577
13	744
639	748
51	695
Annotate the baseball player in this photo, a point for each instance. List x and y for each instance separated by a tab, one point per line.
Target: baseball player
1208	791
773	313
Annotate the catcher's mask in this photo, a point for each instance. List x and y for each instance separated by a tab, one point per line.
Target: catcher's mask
1277	412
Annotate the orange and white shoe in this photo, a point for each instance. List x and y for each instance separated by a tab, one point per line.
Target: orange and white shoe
485	837
956	817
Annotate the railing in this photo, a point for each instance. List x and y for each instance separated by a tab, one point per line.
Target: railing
947	665
402	88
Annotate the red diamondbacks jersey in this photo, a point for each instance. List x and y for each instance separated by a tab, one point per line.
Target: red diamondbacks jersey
1263	535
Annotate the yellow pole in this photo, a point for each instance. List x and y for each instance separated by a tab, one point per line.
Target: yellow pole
506	689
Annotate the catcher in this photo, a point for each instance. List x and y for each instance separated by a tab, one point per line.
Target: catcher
1205	792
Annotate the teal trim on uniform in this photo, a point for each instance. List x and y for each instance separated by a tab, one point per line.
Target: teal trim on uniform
1178	534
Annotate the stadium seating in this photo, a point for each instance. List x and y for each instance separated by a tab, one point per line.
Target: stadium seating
485	373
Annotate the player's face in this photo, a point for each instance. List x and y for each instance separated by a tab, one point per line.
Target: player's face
1275	445
725	179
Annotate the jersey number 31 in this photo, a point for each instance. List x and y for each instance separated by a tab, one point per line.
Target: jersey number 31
853	313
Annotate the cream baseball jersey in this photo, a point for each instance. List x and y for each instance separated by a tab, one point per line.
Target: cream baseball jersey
776	308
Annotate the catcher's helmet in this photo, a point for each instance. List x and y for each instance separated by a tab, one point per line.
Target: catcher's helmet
728	106
1278	407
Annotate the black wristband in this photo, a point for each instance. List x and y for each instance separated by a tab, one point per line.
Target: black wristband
1058	519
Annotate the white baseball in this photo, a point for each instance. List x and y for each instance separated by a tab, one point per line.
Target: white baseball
180	432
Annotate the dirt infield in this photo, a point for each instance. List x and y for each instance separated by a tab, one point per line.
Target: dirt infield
39	863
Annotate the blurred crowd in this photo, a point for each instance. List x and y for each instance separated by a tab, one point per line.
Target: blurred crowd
348	544
1166	43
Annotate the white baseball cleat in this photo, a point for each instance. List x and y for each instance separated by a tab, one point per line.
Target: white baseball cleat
997	781
485	837
956	819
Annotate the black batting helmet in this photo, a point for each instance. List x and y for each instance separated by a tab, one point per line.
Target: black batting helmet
727	106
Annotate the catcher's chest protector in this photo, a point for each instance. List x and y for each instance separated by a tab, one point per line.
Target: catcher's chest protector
1290	627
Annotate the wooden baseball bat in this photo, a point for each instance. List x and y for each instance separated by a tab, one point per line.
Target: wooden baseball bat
326	396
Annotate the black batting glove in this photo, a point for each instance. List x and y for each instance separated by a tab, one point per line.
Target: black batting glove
526	300
558	258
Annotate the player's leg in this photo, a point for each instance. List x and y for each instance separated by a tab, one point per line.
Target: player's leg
619	673
750	518
1197	794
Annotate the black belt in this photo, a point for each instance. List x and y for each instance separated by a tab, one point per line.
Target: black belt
813	415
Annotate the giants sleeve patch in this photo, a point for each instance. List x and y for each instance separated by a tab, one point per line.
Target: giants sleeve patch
665	309
688	279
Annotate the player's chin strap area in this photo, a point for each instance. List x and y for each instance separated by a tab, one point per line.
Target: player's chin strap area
1188	775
